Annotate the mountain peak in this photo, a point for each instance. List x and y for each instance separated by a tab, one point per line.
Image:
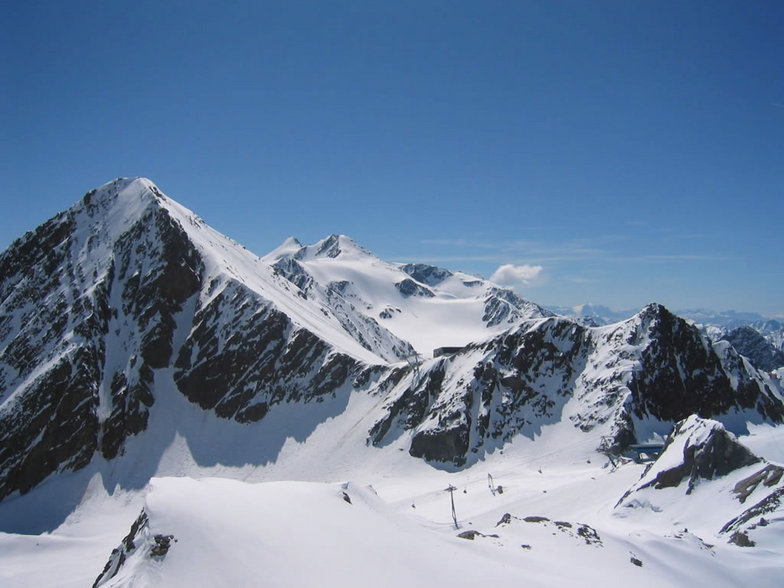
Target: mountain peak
652	311
125	187
333	246
290	246
121	200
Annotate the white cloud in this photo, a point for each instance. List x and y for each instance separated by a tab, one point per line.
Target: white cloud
516	275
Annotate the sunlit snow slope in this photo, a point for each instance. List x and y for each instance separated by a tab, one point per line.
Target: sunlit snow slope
427	306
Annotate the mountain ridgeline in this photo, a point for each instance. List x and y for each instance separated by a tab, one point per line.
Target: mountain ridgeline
127	296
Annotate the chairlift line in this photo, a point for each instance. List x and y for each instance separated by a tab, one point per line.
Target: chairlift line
414	360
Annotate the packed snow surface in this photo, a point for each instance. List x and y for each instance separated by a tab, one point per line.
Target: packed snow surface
368	515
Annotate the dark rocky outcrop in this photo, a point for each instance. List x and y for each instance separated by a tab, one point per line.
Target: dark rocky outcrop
741	539
139	542
409	288
442	444
119	554
682	374
90	306
48	387
293	271
329	247
426	274
243	356
51	426
756	348
505	307
471	534
522	382
768	476
72	289
699	451
767	482
708	451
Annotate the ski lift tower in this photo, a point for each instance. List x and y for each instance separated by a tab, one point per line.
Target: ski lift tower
414	361
451	489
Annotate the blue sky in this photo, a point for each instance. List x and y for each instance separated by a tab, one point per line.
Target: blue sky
610	152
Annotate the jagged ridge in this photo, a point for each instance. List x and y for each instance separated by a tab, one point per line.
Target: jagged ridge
643	374
128	292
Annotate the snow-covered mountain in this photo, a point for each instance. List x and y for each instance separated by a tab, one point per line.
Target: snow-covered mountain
761	350
759	339
127	282
728	319
593	314
424	307
137	344
630	381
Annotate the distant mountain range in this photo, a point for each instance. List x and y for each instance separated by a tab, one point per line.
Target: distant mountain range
728	319
759	338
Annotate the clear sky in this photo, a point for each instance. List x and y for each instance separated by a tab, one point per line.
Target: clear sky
609	152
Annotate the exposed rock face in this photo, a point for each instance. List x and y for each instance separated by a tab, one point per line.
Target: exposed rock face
140	542
443	444
411	288
48	423
101	297
707	451
426	274
769	476
653	366
701	450
332	247
294	272
146	313
72	293
51	425
505	307
753	345
485	394
242	356
683	374
767	488
697	452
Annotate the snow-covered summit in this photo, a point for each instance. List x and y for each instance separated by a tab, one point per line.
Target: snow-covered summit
127	282
425	306
332	247
286	249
